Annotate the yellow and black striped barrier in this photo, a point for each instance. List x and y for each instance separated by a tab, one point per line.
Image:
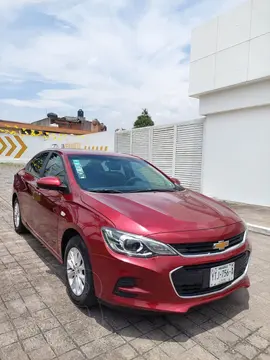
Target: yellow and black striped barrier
84	147
98	148
8	146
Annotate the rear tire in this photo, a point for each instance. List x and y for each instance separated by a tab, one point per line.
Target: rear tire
79	276
17	218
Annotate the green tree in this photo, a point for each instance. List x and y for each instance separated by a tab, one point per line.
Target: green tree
143	120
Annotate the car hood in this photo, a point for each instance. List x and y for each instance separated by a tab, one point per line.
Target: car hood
155	212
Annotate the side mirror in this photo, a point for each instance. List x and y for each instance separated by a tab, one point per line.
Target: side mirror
50	183
175	181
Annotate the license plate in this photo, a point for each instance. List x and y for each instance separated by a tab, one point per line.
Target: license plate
221	274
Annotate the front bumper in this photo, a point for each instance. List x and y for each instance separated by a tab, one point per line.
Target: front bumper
150	284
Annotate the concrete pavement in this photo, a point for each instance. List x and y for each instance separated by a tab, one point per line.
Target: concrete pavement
256	217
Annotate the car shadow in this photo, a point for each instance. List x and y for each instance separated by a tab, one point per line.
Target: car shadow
215	318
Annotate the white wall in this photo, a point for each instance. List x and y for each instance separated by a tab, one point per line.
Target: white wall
236	156
239	97
231	49
34	144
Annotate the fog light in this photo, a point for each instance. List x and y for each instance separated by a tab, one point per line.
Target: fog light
122	283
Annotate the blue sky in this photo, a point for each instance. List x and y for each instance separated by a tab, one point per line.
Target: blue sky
111	58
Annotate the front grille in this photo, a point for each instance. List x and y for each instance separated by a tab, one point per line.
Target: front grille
204	248
194	280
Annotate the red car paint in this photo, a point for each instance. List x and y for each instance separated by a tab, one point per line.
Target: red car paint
172	218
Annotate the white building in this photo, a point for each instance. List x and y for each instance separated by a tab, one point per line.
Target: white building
230	75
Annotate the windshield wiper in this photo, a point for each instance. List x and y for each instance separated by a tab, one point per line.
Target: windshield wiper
108	191
152	190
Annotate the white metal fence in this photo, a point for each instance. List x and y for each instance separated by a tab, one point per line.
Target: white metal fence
175	149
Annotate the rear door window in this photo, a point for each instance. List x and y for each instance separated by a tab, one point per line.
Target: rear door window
35	166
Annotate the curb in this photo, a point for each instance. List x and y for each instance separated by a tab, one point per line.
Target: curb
259	229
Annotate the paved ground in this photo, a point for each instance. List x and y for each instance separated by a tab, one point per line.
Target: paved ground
256	215
38	321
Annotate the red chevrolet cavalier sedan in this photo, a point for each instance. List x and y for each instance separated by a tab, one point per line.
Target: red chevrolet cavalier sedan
128	234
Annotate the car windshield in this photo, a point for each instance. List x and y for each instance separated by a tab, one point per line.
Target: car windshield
117	174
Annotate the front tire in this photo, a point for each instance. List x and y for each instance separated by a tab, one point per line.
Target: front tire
17	218
79	277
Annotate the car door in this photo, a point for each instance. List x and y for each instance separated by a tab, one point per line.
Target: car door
50	202
27	194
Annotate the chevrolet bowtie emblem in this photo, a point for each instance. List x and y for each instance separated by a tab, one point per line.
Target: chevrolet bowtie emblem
221	245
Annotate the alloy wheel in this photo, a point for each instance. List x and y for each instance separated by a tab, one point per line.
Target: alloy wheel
16	214
76	271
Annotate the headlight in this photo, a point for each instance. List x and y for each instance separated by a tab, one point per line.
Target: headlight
135	245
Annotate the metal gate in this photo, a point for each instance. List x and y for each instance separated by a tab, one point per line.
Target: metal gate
175	149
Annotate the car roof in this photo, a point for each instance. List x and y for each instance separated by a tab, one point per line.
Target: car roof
89	152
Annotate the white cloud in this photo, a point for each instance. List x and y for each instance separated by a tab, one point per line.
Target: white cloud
115	58
37	104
